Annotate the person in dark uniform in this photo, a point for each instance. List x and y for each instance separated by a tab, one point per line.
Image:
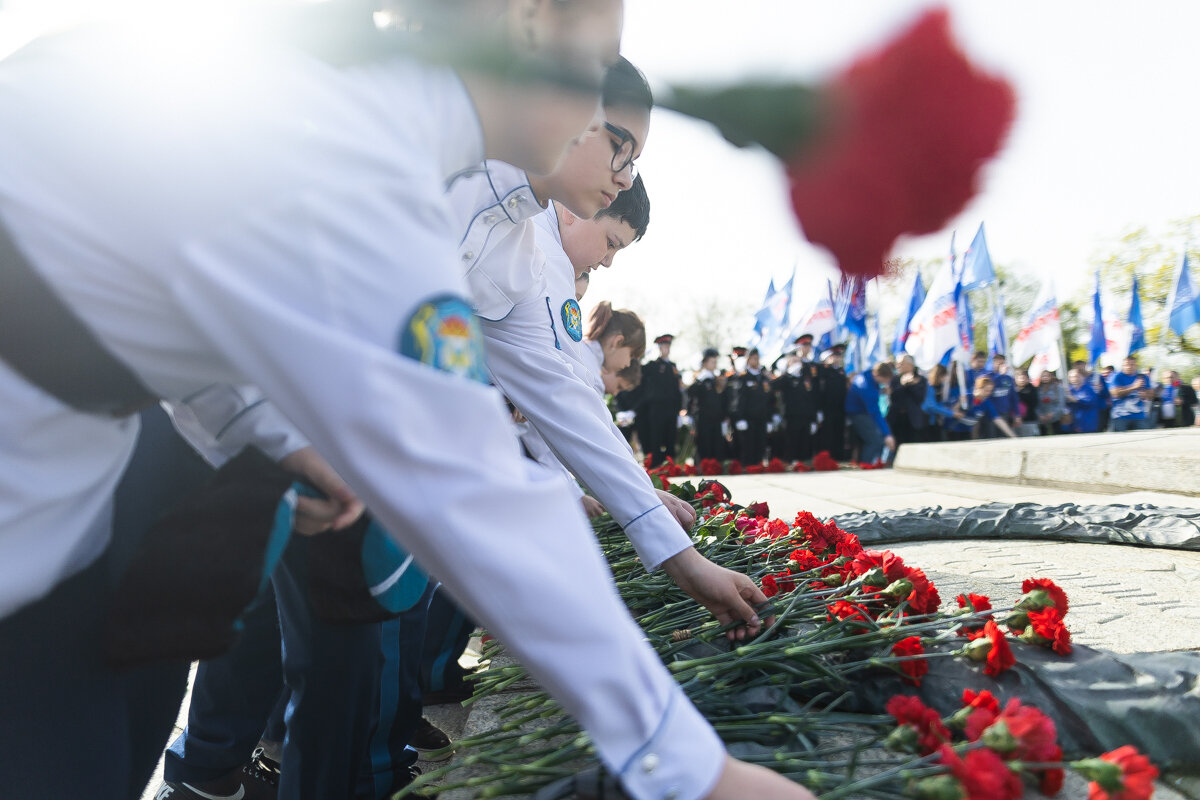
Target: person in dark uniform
798	391
708	406
662	400
905	415
832	433
753	407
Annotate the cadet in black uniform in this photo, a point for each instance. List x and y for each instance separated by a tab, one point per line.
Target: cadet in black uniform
798	390
662	400
708	405
832	434
752	409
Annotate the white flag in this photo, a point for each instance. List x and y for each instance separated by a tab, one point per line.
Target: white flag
934	328
1040	333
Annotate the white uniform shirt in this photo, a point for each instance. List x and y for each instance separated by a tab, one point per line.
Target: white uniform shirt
525	360
285	229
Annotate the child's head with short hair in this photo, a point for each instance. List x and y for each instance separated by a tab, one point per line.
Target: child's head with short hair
592	243
621	335
623	380
983	387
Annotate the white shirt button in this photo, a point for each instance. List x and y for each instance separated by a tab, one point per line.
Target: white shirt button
467	256
512	201
649	763
489	219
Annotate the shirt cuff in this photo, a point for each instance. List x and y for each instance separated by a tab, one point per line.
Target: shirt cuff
656	535
682	760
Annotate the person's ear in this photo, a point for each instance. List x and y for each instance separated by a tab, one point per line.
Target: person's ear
618	340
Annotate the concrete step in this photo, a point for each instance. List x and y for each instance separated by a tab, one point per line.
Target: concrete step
1160	460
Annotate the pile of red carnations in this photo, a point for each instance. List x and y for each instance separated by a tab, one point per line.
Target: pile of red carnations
821	462
844	621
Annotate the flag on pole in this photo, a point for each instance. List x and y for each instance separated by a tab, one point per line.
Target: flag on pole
997	338
851	305
1183	307
874	348
934	328
966	326
1040	332
1137	338
816	320
915	299
977	269
1098	344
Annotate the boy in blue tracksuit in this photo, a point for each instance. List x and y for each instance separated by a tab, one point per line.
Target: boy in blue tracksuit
862	410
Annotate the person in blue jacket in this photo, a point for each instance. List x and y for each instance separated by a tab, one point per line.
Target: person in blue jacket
983	412
1004	391
862	410
1084	403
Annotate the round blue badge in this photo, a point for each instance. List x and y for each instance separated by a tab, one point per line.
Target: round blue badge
572	319
444	333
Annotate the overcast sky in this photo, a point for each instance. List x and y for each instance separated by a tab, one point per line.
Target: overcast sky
1106	138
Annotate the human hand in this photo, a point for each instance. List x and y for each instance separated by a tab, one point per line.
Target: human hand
740	780
592	506
683	513
890	443
340	506
729	595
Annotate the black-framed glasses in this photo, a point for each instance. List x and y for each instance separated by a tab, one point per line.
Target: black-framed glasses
622	150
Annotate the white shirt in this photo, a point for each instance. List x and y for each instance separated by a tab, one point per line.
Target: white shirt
525	360
284	229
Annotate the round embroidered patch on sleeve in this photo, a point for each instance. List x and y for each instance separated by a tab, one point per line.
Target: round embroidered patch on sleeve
444	333
572	319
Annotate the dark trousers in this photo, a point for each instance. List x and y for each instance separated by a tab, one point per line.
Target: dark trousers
398	709
709	441
832	434
56	691
658	432
447	634
330	674
753	442
798	439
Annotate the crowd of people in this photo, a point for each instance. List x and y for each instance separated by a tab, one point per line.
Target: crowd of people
804	403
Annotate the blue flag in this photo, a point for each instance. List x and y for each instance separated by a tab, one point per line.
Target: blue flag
1184	305
966	326
914	302
851	306
1137	331
1098	344
977	270
997	338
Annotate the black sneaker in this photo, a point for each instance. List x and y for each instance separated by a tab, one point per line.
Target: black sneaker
256	781
431	742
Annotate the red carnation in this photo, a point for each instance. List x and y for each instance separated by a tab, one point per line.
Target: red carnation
769	586
1019	731
931	733
843	610
1042	592
823	462
758	510
911	647
984	699
803	560
800	466
733	467
1050	781
778	583
710	466
996	652
1046	628
754	469
776	465
917	122
982	774
1122	774
976	602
